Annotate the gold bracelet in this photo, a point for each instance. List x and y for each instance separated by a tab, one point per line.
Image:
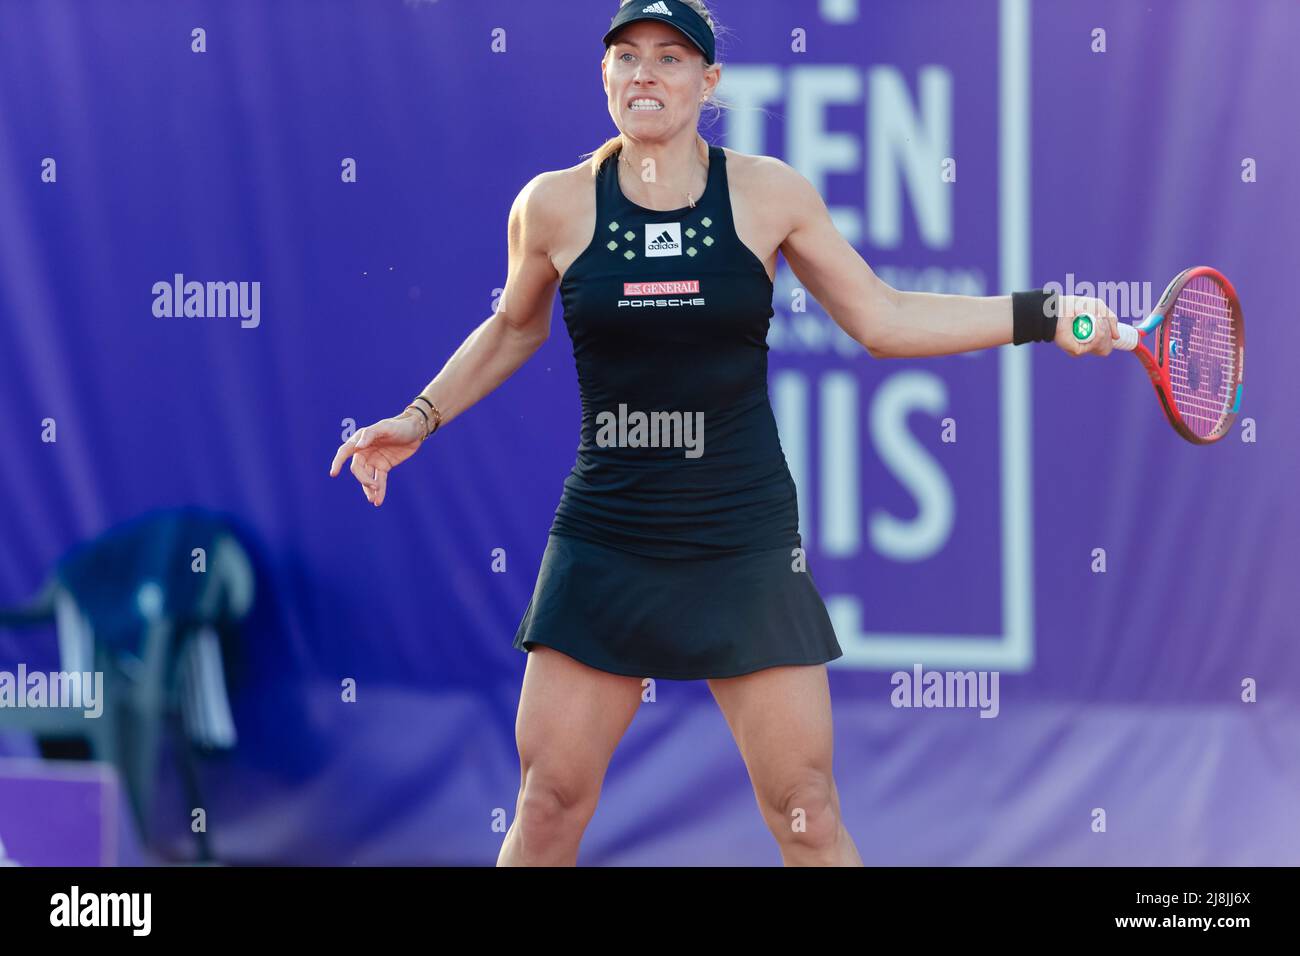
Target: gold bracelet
437	415
426	420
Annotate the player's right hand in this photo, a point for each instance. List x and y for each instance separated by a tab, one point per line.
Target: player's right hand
379	448
1100	320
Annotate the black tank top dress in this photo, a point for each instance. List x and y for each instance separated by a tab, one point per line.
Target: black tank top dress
674	552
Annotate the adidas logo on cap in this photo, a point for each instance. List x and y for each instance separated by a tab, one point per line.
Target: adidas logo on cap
658	8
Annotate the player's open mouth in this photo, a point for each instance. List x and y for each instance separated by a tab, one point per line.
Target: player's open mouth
644	104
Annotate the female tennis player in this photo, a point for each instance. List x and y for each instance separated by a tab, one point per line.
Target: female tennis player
674	551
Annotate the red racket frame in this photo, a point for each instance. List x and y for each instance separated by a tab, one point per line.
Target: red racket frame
1157	364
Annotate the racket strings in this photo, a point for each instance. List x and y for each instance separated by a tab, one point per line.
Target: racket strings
1202	370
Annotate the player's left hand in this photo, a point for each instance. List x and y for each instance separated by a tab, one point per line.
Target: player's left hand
1098	325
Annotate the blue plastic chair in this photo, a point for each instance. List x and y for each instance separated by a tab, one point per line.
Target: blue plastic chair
155	605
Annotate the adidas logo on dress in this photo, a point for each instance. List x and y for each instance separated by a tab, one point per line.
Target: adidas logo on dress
663	239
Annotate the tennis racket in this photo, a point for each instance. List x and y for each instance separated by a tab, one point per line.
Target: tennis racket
1193	347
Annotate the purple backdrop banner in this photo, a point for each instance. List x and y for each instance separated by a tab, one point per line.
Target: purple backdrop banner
963	147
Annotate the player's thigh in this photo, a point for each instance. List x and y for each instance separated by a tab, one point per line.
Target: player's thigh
780	718
571	717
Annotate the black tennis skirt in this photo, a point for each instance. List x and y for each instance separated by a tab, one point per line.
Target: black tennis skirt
676	619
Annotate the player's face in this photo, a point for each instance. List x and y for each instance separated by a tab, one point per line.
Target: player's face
654	78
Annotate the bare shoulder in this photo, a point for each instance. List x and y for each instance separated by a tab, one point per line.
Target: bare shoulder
770	200
773	186
554	195
548	205
765	176
554	215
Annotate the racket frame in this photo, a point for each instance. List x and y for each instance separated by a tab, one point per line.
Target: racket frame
1155	329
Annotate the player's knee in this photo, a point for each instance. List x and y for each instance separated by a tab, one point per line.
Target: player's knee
552	808
806	811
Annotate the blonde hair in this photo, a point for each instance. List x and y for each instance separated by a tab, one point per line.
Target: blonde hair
715	103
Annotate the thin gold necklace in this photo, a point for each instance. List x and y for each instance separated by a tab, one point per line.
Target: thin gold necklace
690	197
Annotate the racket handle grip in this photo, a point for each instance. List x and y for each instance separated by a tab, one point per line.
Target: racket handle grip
1086	329
1128	337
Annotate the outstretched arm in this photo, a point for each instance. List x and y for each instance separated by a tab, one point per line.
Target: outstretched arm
893	324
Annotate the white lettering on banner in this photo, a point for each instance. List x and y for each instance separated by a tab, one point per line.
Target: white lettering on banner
903	394
841	481
909	144
838	485
906	140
